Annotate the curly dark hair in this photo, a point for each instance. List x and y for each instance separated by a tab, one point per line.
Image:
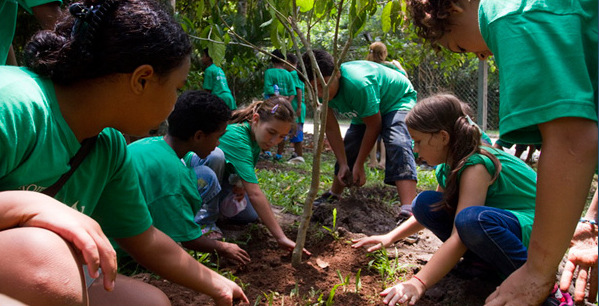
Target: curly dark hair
96	39
430	17
197	110
324	60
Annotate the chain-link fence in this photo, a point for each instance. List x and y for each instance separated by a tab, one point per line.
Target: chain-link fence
462	82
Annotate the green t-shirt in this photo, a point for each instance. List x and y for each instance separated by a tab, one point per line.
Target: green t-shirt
282	78
241	151
8	21
365	88
216	81
299	85
546	52
38	144
169	187
514	190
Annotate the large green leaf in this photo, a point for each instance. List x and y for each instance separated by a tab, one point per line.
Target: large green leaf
305	5
216	50
386	17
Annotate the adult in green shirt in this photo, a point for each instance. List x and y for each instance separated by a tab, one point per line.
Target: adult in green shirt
78	85
215	81
170	189
258	126
377	100
546	54
46	12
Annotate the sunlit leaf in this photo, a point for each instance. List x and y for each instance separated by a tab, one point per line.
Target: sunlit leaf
386	17
305	5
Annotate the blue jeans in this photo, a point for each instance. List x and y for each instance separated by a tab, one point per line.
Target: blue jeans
210	211
493	235
400	164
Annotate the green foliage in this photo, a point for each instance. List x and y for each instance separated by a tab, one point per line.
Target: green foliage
333	230
387	268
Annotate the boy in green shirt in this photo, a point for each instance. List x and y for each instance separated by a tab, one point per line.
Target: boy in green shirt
215	81
170	188
377	100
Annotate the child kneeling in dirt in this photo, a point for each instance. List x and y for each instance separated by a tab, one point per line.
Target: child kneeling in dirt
261	125
483	207
169	187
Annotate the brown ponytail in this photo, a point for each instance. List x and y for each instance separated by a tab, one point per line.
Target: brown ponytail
275	107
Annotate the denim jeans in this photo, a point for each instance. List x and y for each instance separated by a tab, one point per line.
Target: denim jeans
210	211
491	234
400	164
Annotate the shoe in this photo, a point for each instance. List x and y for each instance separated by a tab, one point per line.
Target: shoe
558	298
326	197
403	216
266	155
296	160
278	157
212	232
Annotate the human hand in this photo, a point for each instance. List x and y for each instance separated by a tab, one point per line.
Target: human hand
522	288
80	230
239	192
582	255
378	242
407	292
344	175
234	252
287	244
359	175
230	292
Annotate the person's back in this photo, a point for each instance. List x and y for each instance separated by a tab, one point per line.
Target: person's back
215	81
277	80
362	83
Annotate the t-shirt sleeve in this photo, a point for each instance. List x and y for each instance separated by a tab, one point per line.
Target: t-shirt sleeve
29	4
121	209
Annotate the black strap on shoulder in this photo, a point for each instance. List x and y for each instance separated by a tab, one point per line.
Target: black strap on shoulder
86	146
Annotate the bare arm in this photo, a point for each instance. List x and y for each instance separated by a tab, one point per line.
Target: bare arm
335	138
156	251
27	208
262	207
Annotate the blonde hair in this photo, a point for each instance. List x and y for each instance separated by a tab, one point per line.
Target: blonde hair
377	52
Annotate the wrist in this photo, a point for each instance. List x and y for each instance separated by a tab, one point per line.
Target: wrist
420	283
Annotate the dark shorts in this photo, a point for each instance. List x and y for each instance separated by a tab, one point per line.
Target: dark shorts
400	164
299	134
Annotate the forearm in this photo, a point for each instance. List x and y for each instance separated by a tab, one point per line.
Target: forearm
156	251
591	213
203	244
262	207
407	228
335	140
446	257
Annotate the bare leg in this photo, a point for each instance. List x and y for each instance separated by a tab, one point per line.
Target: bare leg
39	268
297	146
406	190
127	291
566	167
372	158
383	156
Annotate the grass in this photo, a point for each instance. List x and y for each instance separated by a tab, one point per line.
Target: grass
287	186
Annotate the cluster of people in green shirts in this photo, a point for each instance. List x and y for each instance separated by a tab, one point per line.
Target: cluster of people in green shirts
73	190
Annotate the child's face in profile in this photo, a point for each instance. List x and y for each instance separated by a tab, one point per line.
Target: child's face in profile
207	142
463	35
333	86
269	133
431	147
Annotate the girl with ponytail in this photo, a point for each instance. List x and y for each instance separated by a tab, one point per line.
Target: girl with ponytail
67	183
259	126
483	208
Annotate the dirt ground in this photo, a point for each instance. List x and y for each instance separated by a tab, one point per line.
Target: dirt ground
271	280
